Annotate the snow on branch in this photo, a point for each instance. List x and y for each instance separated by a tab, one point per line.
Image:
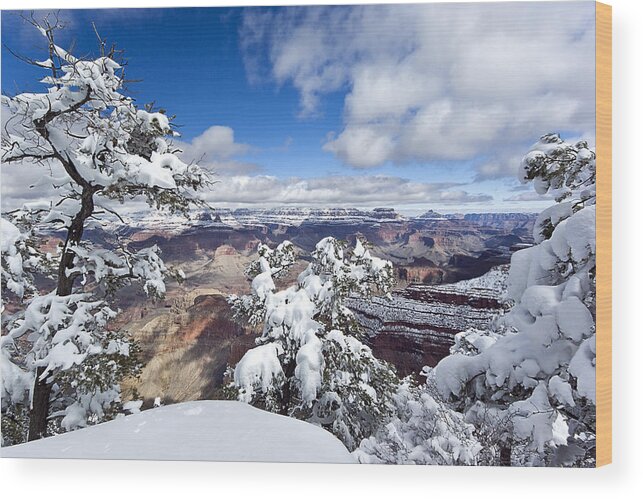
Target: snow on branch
117	268
535	368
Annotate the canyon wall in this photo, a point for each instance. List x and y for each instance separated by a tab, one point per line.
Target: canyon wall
416	326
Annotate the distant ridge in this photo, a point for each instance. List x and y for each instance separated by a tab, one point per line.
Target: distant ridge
234	218
499	217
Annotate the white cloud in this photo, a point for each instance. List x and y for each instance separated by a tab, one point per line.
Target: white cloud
437	81
362	147
24	184
215	150
528	196
376	190
217	142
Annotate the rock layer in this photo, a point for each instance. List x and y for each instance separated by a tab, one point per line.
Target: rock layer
417	325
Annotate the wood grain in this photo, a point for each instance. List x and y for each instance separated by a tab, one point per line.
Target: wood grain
604	234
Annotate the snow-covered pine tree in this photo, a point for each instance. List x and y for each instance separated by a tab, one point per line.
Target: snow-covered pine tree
97	150
309	362
20	256
423	430
20	259
528	384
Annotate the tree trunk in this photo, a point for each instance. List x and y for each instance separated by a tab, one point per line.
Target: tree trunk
39	408
286	394
505	456
39	411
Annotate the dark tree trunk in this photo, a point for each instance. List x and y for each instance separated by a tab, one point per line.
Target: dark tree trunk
39	411
40	408
505	456
286	394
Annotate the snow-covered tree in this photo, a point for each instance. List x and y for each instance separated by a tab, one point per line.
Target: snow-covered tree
97	150
20	257
528	384
309	362
424	430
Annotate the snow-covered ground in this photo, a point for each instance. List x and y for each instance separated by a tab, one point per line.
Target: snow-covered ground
204	430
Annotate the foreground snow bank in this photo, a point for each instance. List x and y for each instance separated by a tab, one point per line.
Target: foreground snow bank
204	430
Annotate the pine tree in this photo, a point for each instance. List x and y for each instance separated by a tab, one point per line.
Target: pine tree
423	430
529	382
309	362
97	150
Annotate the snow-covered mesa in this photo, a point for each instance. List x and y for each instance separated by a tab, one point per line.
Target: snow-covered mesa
194	431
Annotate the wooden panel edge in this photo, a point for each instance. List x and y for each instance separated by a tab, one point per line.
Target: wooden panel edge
604	234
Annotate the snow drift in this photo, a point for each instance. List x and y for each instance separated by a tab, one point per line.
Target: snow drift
194	431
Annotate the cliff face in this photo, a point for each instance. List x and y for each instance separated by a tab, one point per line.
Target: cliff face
186	349
417	325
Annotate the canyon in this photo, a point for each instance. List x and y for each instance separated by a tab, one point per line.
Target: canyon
450	271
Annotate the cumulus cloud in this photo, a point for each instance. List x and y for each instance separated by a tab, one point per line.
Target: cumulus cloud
217	142
373	190
528	196
434	82
215	150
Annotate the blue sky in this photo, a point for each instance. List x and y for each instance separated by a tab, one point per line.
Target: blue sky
352	106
